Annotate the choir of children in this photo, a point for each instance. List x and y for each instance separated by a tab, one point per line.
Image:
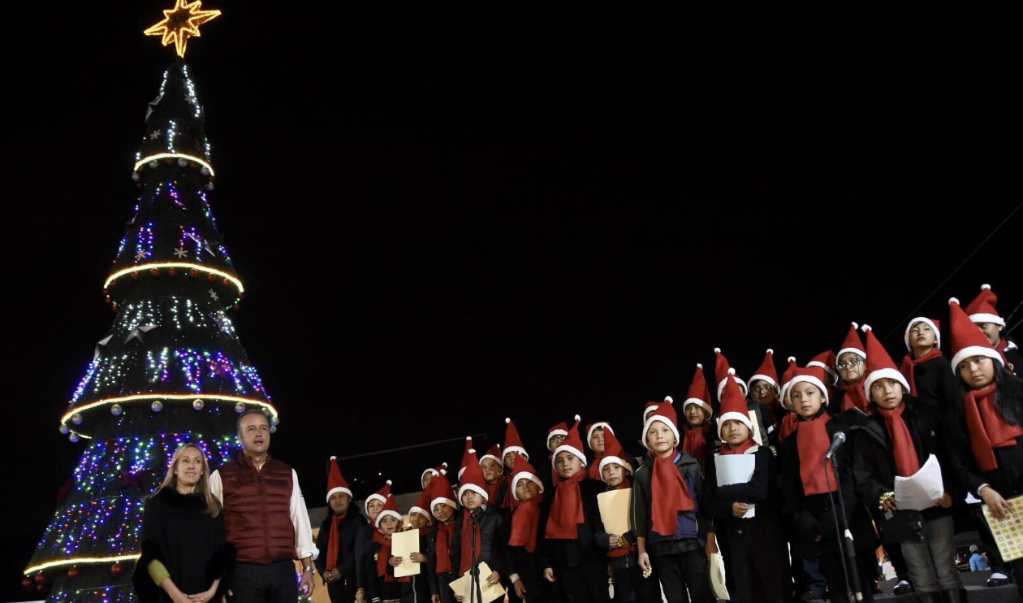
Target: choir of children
748	476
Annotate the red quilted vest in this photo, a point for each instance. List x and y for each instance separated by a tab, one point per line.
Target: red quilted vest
257	510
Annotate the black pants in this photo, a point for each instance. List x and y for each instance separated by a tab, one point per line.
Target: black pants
415	591
443	580
834	573
342	591
756	572
630	585
680	572
274	583
583	584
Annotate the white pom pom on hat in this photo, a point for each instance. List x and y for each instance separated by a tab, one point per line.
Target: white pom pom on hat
952	300
985	287
333	458
507	420
389	482
866	328
669	399
770	351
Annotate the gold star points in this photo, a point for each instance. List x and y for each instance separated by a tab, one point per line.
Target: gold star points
181	23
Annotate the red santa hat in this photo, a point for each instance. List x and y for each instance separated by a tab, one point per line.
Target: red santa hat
442	469
827	361
382	494
523	470
786	379
982	308
512	442
733	405
665	413
390	509
613	453
721	367
465	457
932	323
561	429
967	340
767	372
652	406
811	374
335	481
472	478
852	343
592	426
571	444
494	453
422	506
441	493
698	393
879	364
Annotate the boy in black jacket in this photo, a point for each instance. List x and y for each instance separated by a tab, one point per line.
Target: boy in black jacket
336	539
477	536
442	567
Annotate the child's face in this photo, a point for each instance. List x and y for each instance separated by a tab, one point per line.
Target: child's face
886	393
373	508
660	438
734	432
806	399
418	520
977	372
850	367
922	337
388	525
339	502
443	512
554	441
492	470
567	464
526	490
763	392
471	500
992	331
509	460
597	440
427	478
613	474
695	415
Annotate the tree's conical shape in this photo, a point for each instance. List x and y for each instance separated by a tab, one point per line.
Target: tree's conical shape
170	369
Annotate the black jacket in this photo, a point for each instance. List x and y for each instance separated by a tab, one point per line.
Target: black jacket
583	550
935	386
492	550
349	527
431	554
761	490
694	524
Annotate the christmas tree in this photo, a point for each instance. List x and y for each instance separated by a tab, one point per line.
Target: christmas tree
170	369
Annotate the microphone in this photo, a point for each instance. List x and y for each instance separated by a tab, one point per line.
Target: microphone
836	441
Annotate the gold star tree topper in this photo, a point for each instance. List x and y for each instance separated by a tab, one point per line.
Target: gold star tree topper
181	23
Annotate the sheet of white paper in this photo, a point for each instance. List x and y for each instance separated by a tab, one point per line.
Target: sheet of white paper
922	489
403	544
971	499
463	586
734	468
614	510
717	576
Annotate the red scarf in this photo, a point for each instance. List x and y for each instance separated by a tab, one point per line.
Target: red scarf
334	542
788	425
695	441
444	531
813	442
909	363
906	460
383	556
740	449
988	429
467	529
669	493
854	396
566	510
621	552
555	478
525	524
494	490
594	471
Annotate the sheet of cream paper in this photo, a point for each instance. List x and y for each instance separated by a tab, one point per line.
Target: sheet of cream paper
614	510
922	489
717	576
463	586
736	469
403	544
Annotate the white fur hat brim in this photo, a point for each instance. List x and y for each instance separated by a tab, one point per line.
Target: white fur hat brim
443	500
421	511
517	450
805	379
742	385
767	379
492	457
928	322
589	433
521	475
975	350
856	351
885	373
339	489
556	432
701	403
387	513
656	417
607	460
474	488
566	448
985	317
734	416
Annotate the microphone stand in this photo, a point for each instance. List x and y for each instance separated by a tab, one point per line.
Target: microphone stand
474	568
848	551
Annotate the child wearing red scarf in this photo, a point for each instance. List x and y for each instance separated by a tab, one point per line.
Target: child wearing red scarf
929	374
441	567
364	538
523	534
985	428
476	538
896	440
575	566
698	438
336	539
850	363
670	525
747	519
629	584
417	588
983	312
806	481
378	564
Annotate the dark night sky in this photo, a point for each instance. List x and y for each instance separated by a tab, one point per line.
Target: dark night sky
445	215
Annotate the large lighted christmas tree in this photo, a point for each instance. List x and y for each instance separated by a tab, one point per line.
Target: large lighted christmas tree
170	369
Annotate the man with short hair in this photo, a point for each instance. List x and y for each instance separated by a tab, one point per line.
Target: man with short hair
265	517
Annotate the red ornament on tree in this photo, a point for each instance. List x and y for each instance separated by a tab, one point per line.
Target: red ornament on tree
26	583
172	272
211	276
40	578
116	569
73	572
154	271
192	272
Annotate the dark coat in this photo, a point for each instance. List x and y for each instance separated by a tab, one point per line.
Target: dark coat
492	550
349	527
694	524
935	386
192	546
583	550
760	490
431	555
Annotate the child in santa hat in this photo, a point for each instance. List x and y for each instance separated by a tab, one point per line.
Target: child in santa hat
577	567
929	374
747	517
983	313
896	440
555	436
417	588
441	566
697	437
764	389
985	432
523	534
670	524
476	537
431	472
336	538
629	584
596	435
364	539
378	563
493	474
851	363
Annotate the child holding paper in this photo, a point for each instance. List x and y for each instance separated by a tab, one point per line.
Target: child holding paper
670	524
418	588
629	584
476	537
441	566
747	522
378	564
364	538
575	566
896	441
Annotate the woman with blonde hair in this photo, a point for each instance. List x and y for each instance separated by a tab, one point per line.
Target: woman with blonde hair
185	556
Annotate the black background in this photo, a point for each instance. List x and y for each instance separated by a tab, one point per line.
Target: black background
449	214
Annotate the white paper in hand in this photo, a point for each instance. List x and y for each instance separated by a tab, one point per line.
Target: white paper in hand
922	489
